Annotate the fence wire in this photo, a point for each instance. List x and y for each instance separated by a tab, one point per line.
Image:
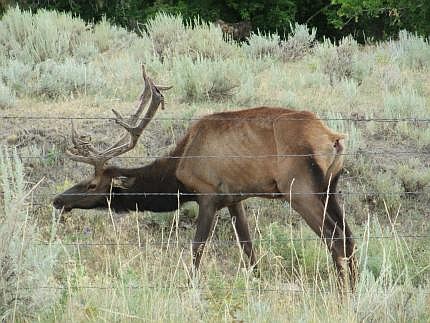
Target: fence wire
355	154
235	242
244	194
215	118
298	290
174	287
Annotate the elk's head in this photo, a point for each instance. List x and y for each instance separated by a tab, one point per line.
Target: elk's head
95	191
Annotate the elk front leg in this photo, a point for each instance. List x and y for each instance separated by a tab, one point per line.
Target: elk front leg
204	225
237	213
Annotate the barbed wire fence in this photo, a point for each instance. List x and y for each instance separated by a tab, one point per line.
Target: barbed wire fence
360	152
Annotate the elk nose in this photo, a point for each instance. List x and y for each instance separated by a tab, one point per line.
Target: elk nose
58	202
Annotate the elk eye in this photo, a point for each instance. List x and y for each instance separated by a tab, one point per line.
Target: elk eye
92	186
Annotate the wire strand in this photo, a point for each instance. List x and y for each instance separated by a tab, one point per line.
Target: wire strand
233	242
409	119
361	153
299	289
249	194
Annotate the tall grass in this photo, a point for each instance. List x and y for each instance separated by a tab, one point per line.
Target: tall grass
25	264
297	279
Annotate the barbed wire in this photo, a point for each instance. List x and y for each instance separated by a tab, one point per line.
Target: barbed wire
298	290
360	153
234	242
185	288
249	194
214	118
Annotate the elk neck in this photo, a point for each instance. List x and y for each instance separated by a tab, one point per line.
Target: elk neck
158	179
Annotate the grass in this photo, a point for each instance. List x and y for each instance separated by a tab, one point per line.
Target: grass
85	70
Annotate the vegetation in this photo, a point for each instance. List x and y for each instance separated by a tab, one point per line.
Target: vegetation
374	19
25	263
98	266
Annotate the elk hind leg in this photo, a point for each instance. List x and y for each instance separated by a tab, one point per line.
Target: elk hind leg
335	212
311	209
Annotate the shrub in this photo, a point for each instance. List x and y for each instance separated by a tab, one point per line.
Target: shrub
53	79
206	41
106	36
62	79
390	78
25	264
349	90
414	176
196	39
165	31
410	50
34	38
299	42
337	61
7	97
51	35
17	76
205	79
408	103
261	45
388	190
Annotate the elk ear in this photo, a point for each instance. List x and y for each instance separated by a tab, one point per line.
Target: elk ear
123	182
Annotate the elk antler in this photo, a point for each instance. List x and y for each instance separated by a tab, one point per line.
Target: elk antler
84	151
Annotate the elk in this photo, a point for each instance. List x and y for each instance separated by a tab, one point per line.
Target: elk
223	159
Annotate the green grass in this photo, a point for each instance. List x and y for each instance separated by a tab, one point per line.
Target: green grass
52	64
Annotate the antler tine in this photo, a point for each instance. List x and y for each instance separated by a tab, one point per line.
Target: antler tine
129	139
80	143
92	160
164	87
144	97
85	151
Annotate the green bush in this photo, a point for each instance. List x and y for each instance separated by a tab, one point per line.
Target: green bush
337	61
301	257
51	35
406	104
165	31
410	50
17	76
52	79
7	97
197	39
206	41
261	45
63	79
392	260
34	38
205	79
26	265
299	42
390	78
